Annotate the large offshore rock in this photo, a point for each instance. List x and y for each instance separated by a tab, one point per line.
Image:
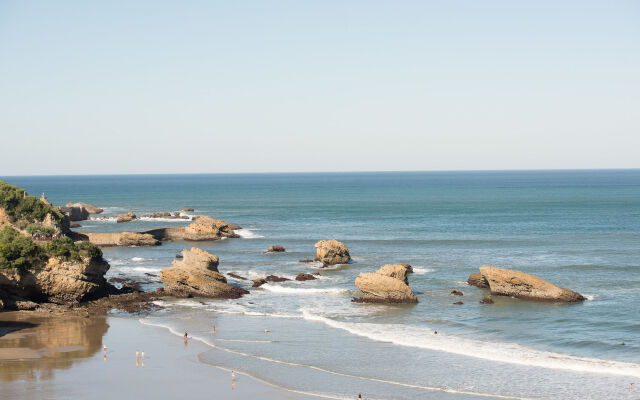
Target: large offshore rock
91	209
506	282
207	228
331	252
389	284
196	275
75	213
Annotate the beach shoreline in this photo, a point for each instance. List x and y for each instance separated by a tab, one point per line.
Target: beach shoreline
63	357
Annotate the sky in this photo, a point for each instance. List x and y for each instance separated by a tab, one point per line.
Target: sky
123	87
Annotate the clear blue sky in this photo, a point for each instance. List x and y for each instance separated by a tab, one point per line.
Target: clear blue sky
248	86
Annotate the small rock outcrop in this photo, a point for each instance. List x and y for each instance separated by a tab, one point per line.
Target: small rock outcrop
258	282
91	209
305	261
476	279
389	284
506	282
196	275
332	252
276	248
126	217
207	228
137	239
43	199
187	209
456	293
305	277
458	303
274	278
487	300
236	276
166	215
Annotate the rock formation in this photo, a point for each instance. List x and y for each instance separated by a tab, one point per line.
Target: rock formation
258	282
167	215
476	279
276	248
305	277
59	281
43	199
91	209
207	228
137	239
505	282
456	293
389	284
75	213
487	300
331	252
196	275
187	209
274	278
127	217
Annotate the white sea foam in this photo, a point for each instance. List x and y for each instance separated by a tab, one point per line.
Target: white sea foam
138	259
422	270
104	219
134	270
590	296
247	234
422	337
209	342
334	291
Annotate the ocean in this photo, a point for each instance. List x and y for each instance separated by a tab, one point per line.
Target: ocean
577	229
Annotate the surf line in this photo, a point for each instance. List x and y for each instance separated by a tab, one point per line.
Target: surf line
403	384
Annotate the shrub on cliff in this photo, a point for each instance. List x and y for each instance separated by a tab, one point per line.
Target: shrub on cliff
64	247
19	252
22	207
37	228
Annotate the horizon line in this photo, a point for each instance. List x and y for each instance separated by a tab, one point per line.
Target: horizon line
330	172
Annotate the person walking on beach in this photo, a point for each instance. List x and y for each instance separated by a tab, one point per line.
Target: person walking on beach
359	396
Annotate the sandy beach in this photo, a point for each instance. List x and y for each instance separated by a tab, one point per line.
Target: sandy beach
61	357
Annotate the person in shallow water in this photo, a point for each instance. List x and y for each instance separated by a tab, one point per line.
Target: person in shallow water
359	396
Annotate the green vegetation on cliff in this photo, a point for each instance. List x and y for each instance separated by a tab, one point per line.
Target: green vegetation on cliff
19	252
65	248
25	208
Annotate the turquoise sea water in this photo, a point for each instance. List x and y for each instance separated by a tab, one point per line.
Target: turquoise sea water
578	229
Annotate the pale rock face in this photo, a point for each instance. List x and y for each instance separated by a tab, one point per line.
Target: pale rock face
207	228
59	280
505	282
389	284
331	252
196	275
72	280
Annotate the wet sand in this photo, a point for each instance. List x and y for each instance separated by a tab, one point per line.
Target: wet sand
62	357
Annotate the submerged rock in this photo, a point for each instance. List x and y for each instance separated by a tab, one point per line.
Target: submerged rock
187	209
305	261
332	252
505	282
242	278
458	303
196	275
127	217
305	277
487	300
457	293
276	248
389	284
